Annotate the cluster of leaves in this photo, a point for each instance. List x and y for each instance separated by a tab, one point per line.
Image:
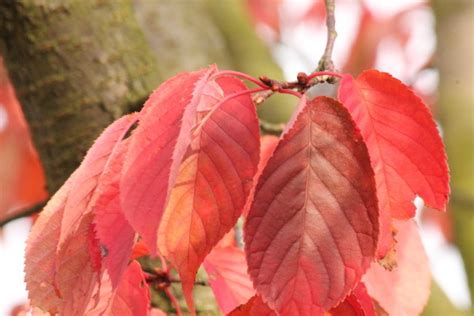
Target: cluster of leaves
321	203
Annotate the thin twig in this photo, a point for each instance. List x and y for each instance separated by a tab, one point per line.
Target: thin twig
260	97
323	73
325	63
196	282
24	213
173	300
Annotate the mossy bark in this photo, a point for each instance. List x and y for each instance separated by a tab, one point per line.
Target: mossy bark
76	66
182	35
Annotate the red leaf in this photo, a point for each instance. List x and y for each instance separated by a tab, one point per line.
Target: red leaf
40	253
312	229
140	250
358	303
77	268
254	307
405	148
68	271
227	271
157	149
114	233
132	296
88	182
214	181
405	290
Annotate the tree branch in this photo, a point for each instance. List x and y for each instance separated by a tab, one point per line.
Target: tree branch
325	63
25	213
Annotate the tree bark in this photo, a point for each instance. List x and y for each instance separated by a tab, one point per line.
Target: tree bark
76	66
182	35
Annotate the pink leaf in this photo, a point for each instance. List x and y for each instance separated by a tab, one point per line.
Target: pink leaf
405	290
40	253
214	181
227	271
77	269
157	149
85	188
68	271
115	235
312	229
405	148
254	307
156	312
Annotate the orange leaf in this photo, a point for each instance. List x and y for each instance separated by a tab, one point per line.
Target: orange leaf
405	148
213	182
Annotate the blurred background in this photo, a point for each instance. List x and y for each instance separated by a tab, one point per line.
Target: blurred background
70	67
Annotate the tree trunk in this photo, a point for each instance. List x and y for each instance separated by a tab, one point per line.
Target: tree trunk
456	103
76	66
182	35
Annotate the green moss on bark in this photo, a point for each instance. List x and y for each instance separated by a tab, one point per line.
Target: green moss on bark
76	66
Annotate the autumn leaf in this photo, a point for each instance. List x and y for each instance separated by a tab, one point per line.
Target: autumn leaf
214	181
22	180
114	233
87	184
139	250
77	270
229	240
227	274
358	303
254	307
405	148
132	296
40	253
405	290
157	150
312	228
268	144
68	271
